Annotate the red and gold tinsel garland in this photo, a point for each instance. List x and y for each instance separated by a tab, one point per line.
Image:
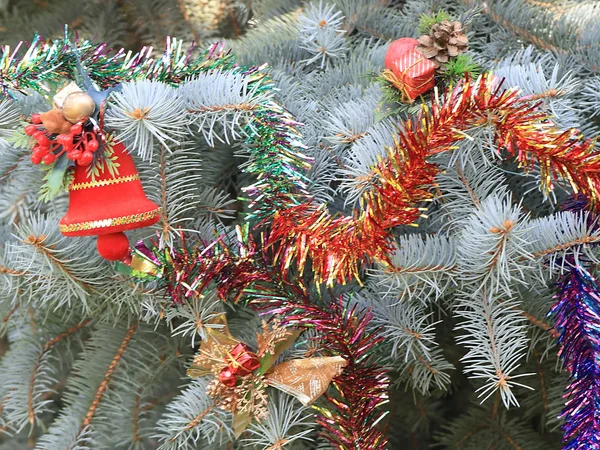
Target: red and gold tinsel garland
338	245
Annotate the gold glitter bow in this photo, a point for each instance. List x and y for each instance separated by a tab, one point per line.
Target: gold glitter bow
239	387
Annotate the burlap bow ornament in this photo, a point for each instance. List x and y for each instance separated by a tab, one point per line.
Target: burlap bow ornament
241	375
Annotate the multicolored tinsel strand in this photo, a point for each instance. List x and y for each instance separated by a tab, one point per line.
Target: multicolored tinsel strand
229	266
48	61
577	319
276	159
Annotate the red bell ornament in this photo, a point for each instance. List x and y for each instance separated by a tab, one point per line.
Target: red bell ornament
108	205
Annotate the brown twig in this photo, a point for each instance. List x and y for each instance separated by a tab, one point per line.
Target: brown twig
470	434
349	139
467	185
10	271
503	232
228	107
539	323
550	93
193	423
538	363
47	346
438	268
234	23
551	6
38	243
106	380
136	416
10	313
196	420
10	169
535	321
566	245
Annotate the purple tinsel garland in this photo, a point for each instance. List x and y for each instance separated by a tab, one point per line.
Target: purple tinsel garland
577	319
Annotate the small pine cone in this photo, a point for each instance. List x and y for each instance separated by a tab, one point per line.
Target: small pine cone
445	40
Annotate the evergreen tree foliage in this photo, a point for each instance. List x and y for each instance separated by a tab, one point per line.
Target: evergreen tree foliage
90	358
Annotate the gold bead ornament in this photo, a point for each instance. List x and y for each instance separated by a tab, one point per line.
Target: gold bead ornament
78	105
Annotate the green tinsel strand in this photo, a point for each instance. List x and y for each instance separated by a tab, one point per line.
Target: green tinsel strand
47	61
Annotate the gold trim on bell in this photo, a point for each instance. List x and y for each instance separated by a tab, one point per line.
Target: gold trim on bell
107	182
104	223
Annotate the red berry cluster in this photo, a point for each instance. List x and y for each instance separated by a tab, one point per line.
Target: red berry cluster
79	144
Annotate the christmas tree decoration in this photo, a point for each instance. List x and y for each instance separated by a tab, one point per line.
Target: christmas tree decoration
108	204
241	375
353	417
385	223
444	41
241	269
70	129
412	64
577	320
54	121
408	70
106	194
77	106
56	136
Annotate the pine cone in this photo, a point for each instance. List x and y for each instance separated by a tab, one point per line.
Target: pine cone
445	39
